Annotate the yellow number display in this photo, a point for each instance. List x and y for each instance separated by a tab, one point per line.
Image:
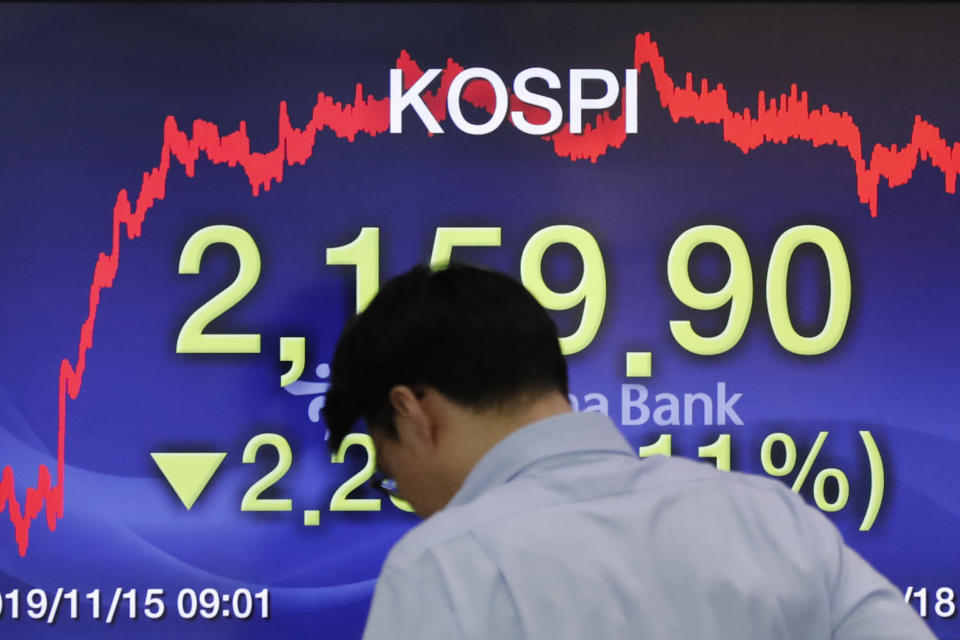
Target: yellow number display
719	450
364	254
449	237
662	447
738	290
340	500
401	504
191	338
789	454
839	308
251	499
591	290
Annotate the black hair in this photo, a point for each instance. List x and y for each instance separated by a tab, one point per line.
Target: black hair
475	335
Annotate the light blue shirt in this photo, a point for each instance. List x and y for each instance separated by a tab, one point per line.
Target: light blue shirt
562	532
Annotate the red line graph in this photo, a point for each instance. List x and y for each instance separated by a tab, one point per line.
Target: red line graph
778	121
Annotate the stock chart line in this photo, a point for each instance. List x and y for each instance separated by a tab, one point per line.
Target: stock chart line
781	120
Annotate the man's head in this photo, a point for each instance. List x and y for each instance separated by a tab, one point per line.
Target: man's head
441	366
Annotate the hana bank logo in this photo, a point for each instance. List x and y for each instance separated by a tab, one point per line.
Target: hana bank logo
318	389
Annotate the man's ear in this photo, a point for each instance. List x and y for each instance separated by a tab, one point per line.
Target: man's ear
413	421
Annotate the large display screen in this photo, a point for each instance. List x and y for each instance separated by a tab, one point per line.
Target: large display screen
744	220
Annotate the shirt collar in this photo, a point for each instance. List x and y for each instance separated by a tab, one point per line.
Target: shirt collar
557	435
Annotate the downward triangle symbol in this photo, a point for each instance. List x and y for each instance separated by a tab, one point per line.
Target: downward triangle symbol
188	473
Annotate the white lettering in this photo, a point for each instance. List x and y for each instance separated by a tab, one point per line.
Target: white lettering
400	100
689	399
725	408
601	405
453	101
537	100
578	104
630	104
633	396
667	410
667	413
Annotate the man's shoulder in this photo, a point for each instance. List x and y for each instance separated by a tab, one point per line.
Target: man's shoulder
681	484
452	529
661	545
